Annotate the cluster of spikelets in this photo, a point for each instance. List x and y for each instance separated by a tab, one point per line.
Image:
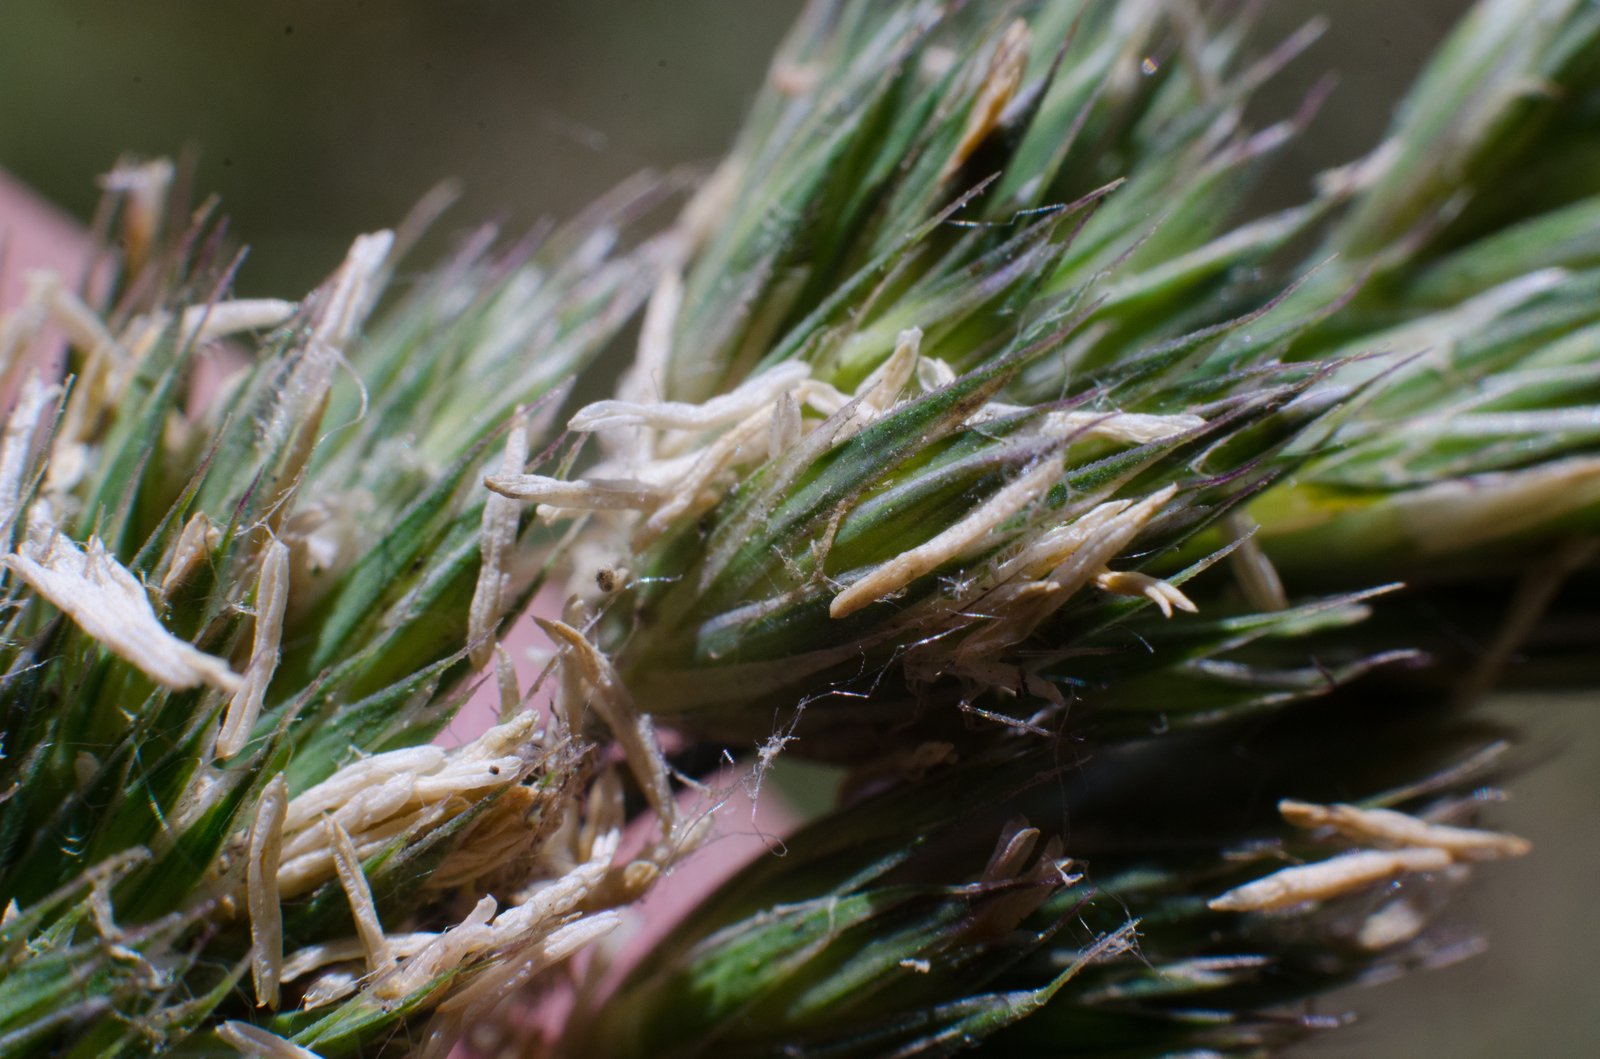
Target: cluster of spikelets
965	445
236	619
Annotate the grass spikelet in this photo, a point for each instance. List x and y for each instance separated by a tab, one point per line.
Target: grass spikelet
983	438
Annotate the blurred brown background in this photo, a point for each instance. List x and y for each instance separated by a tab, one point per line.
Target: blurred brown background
318	120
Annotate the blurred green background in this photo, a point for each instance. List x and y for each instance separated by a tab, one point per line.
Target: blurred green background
316	121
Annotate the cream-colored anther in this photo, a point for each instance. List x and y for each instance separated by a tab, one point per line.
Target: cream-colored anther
783	433
694	493
445	952
261	878
910	565
272	597
197	540
676	415
1387	827
146	185
21	425
1328	878
497	546
111	605
584	494
632	729
204	323
1159	592
1000	82
263	1044
1135	428
1017	613
505	680
354	881
881	389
